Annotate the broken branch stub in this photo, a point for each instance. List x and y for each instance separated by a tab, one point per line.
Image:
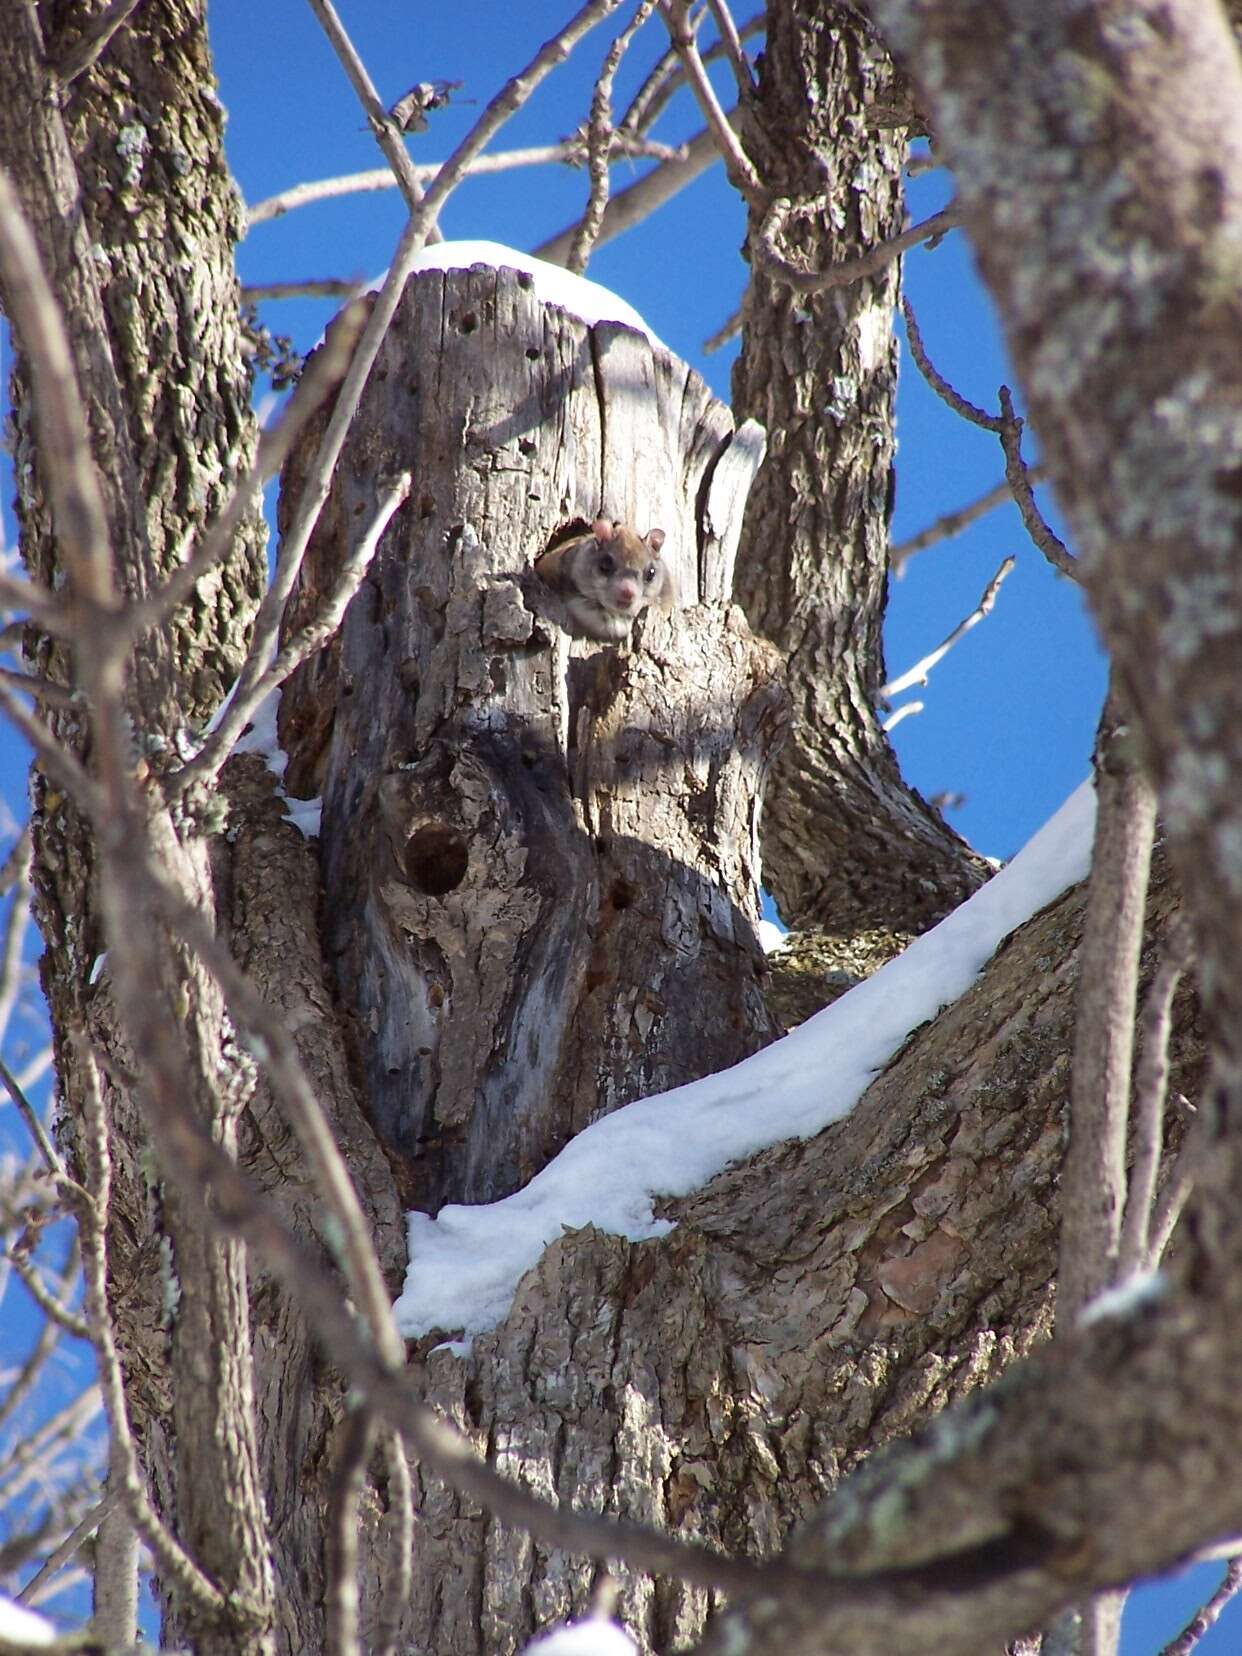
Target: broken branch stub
540	853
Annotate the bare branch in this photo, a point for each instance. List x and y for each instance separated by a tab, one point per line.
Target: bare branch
242	708
38	1133
953	523
631	206
1093	1181
668	77
325	370
60	419
874	259
918	674
51	1304
16	923
738	165
400	1572
731	41
326	287
124	1467
68	1547
905	711
599	137
348	1478
54	758
1147	1109
937	381
385	129
1049	543
87	49
1208	1614
36	1359
724	333
568	152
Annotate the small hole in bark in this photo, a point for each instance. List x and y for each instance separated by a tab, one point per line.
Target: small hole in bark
533	353
621	895
469	322
426	506
435	860
527	445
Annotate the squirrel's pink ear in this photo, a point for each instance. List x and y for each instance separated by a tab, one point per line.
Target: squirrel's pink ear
655	539
602	529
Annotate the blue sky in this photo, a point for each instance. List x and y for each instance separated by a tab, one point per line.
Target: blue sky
1010	714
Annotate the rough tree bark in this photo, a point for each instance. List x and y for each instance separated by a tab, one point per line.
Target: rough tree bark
848	846
541	861
156	343
807	1306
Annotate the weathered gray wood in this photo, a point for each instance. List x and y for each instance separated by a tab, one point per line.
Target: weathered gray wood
540	853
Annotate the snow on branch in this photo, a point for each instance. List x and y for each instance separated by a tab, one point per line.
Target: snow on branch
466	1263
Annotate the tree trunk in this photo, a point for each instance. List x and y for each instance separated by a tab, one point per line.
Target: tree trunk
540	857
848	846
811	1305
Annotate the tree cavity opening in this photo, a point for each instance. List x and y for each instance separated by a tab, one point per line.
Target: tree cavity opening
435	859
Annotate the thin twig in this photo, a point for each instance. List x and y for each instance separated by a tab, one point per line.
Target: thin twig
731	41
738	165
87	49
1093	1179
780	269
59	417
29	1458
1208	1614
599	137
93	1226
724	333
668	77
1195	1151
38	1133
35	1361
1151	1087
16	924
384	128
323	287
399	1576
631	206
49	1303
568	152
43	690
325	371
1049	543
348	1479
918	674
65	1551
54	758
905	711
242	708
937	381
953	523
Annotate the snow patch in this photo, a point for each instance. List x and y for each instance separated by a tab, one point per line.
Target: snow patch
588	301
19	1626
262	738
1126	1298
466	1263
584	1638
771	936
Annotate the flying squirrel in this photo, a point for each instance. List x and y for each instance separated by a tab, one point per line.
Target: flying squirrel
607	577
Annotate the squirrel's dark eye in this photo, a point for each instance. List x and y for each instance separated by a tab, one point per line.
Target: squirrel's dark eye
606	564
649	574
